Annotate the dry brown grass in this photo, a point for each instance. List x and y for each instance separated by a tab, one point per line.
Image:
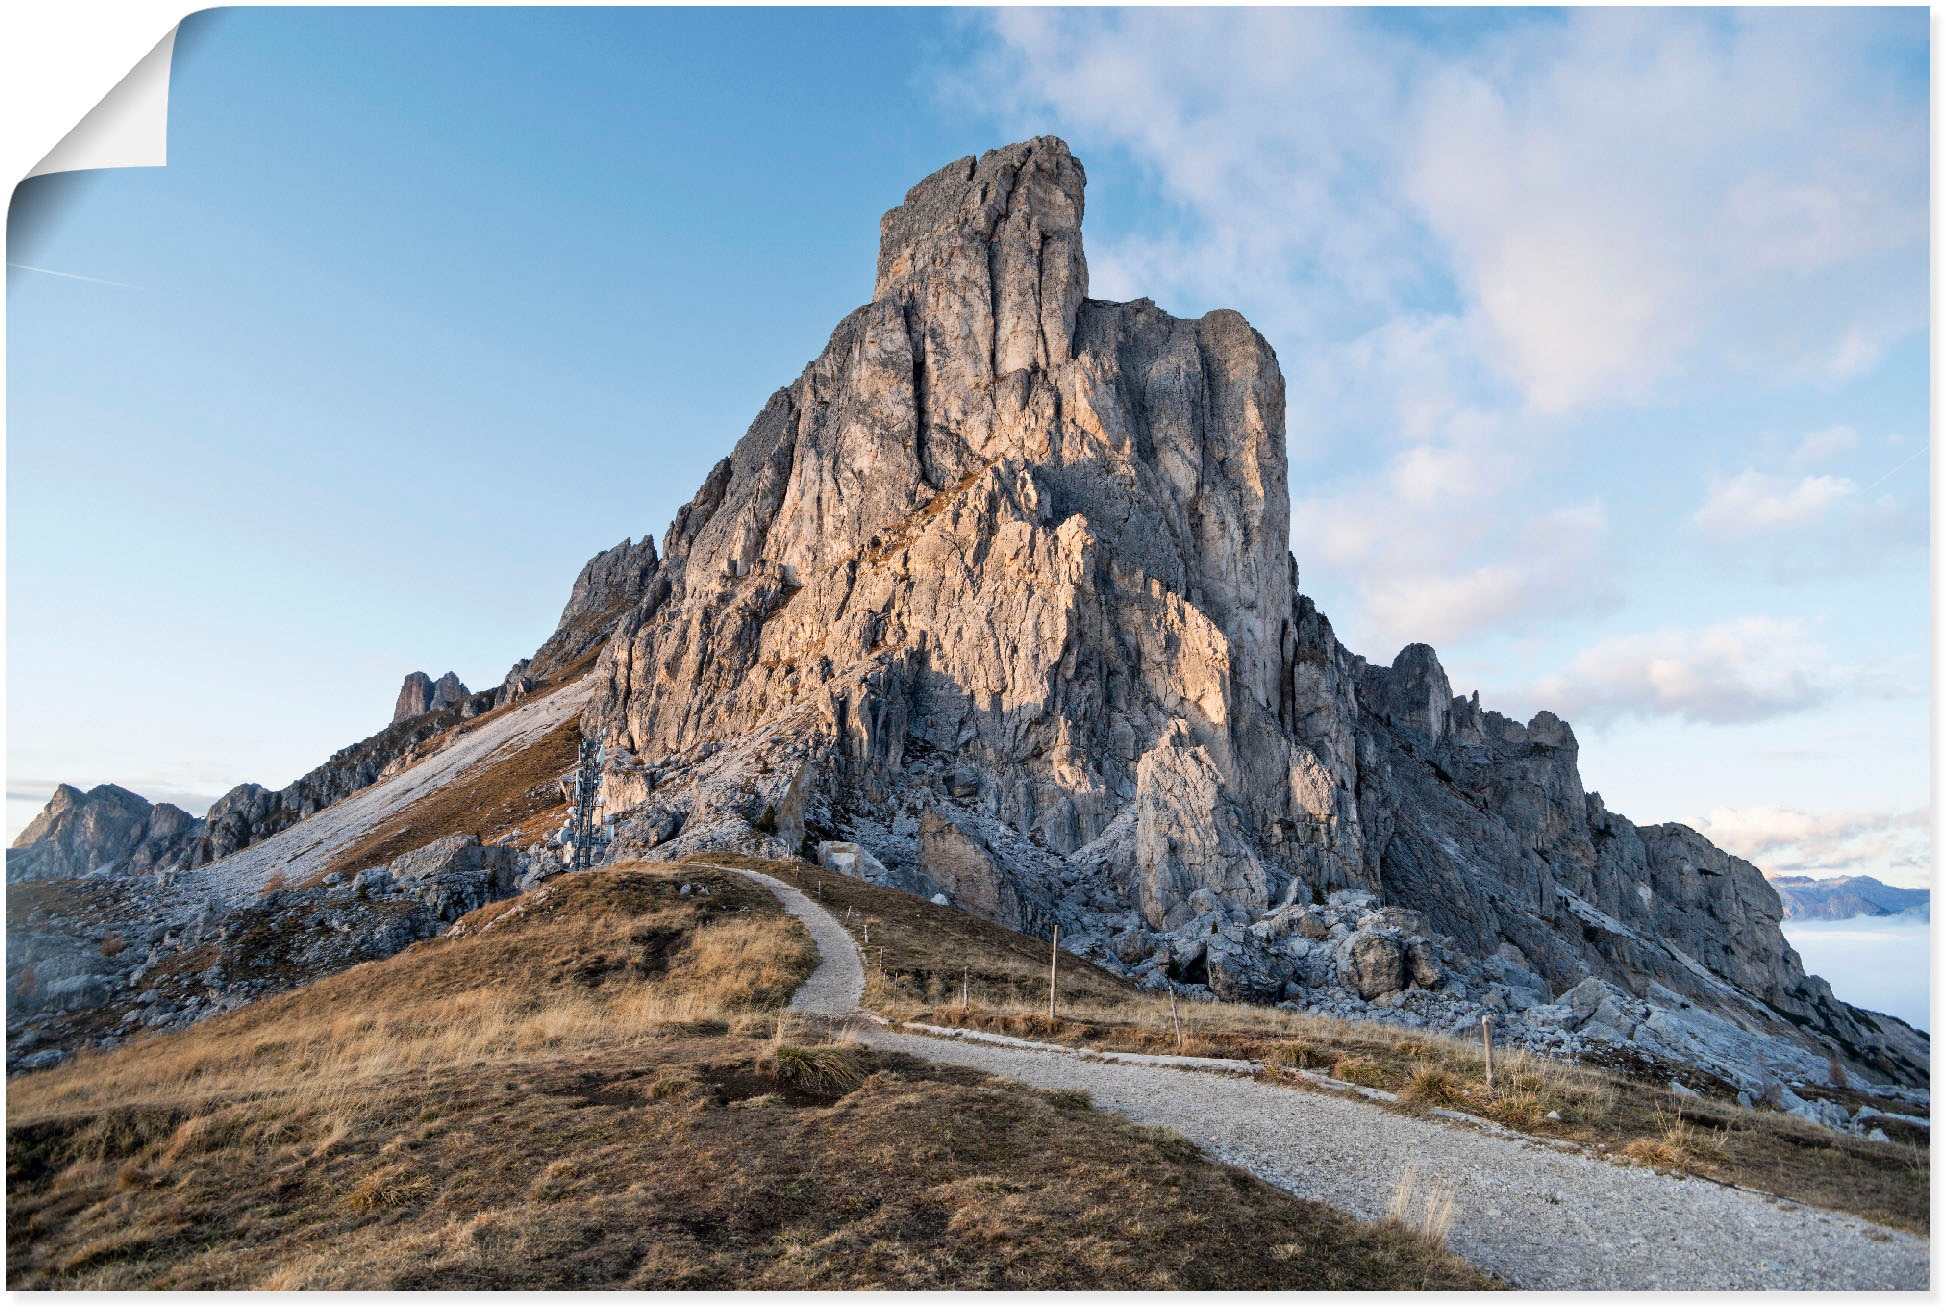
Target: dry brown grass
813	1070
590	1087
517	792
1677	1146
1424	1210
927	945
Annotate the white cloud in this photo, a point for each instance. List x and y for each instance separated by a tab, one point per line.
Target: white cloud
1749	669
1431	556
1544	572
1818	447
1800	525
1753	503
1782	840
1597	203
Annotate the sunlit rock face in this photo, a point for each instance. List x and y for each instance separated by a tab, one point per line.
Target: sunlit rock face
1014	562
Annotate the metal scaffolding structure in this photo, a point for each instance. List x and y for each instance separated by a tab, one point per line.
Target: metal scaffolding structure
587	839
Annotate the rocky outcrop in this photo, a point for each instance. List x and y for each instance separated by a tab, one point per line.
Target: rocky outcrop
421	695
1009	563
415	698
607	586
105	827
110	958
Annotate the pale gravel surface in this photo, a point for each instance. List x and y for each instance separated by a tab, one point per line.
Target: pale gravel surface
302	850
1542	1218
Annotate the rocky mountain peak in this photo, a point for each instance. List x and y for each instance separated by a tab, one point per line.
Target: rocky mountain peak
1000	590
1009	224
422	694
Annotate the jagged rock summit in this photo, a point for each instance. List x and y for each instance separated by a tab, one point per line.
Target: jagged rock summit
1000	589
421	695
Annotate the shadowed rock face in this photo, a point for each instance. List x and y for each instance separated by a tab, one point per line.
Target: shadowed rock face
1014	561
79	832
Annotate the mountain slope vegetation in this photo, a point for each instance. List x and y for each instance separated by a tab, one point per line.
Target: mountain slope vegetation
592	1086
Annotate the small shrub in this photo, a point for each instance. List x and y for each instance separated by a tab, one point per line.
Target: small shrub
1359	1070
1520	1109
669	1086
386	1189
1430	1085
112	945
276	881
1677	1148
767	822
814	1070
1298	1053
1837	1075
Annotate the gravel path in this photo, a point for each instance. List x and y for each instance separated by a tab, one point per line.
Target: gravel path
1542	1218
837	986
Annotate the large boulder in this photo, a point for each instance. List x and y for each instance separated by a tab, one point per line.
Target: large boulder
851	859
1371	962
962	868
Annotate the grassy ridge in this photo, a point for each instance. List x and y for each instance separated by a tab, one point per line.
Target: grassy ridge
592	1086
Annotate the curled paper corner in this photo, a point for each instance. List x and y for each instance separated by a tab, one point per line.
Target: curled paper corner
129	128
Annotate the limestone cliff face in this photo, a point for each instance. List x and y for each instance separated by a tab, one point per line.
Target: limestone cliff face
80	832
1000	585
1001	526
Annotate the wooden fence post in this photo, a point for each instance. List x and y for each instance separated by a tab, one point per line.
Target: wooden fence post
1486	1037
965	987
1173	1016
1053	967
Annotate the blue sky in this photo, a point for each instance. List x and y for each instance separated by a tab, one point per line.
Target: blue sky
1605	334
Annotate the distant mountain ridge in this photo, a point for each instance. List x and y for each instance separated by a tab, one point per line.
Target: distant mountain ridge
1806	898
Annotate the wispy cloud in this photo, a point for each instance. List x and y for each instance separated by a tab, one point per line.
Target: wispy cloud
1782	840
1823	445
1799	524
1746	670
78	277
1753	503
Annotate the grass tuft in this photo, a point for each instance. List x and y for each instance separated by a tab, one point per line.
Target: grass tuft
1430	1085
1424	1211
813	1070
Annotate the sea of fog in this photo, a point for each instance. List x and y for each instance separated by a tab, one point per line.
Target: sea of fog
1880	962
